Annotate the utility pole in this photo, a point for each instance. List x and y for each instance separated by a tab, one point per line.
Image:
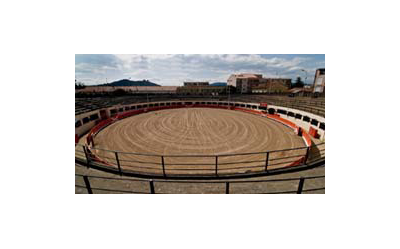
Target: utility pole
305	80
270	83
229	96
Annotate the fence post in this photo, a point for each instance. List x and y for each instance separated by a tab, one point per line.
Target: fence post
163	166
307	154
119	166
86	155
266	161
227	188
216	165
301	183
152	187
87	183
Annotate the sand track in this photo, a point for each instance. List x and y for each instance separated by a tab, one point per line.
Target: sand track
195	131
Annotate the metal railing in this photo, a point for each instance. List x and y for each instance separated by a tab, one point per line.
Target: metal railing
125	163
155	186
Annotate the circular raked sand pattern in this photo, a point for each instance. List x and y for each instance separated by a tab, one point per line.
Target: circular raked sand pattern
197	131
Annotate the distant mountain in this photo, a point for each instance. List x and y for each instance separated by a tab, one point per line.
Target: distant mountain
126	82
218	84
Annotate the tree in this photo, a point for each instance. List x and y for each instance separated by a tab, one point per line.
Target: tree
299	83
79	85
119	92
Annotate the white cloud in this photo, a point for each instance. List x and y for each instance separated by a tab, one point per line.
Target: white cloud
173	69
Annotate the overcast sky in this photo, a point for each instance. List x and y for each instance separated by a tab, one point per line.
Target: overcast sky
173	69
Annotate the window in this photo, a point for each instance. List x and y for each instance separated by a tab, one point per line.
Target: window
139	106
113	111
78	124
306	119
298	116
203	103
144	106
254	107
85	120
168	103
133	107
262	108
162	104
248	106
242	105
291	114
282	111
322	126
156	104
314	122
120	109
94	116
151	105
271	111
188	103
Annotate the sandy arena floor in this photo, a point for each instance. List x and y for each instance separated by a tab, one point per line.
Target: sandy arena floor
197	131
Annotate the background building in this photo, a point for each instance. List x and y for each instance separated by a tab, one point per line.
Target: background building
298	91
243	82
202	90
319	81
196	83
255	83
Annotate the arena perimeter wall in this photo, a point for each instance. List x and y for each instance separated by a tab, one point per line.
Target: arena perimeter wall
276	117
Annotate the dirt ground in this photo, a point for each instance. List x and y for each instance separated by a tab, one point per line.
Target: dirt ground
201	132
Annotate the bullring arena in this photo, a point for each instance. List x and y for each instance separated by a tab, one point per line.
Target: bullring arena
200	140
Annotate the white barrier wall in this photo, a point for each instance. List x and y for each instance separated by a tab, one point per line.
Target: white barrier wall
300	122
84	128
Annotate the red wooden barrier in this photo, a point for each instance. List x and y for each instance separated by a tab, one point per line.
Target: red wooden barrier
307	138
313	132
248	110
297	162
